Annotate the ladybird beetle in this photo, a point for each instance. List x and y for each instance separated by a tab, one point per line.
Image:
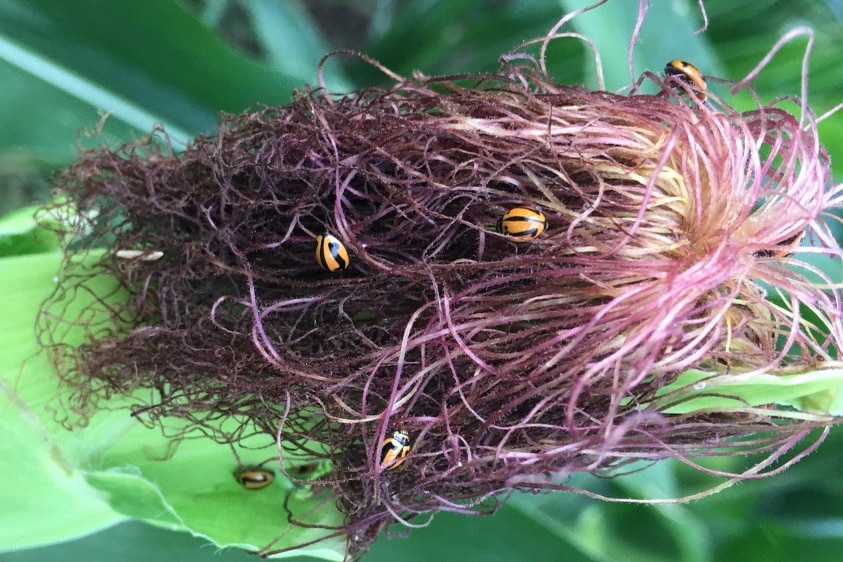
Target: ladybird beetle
303	470
254	478
689	73
522	222
788	245
304	473
395	449
331	253
311	470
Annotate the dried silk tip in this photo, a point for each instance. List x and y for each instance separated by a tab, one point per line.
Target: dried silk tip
142	255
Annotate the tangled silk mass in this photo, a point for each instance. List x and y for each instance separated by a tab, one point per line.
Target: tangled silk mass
336	272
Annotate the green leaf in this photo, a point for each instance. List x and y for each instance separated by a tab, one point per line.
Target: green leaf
19	221
812	391
58	484
459	36
508	536
21	234
45	498
145	62
33	139
421	32
682	527
133	542
609	532
189	485
292	41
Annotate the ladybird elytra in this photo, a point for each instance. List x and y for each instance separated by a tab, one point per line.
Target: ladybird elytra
686	71
395	449
254	478
522	222
331	253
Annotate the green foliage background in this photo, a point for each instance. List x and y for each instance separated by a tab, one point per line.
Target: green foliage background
181	62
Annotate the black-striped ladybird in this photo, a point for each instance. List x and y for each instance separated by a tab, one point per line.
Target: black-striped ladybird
331	253
395	449
689	73
522	223
253	477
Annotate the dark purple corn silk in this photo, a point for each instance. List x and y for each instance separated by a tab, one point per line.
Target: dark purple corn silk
510	363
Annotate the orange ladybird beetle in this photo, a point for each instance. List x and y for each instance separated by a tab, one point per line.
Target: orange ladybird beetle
254	478
394	449
689	73
522	223
331	253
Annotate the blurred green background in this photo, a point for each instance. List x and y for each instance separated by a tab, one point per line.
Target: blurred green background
180	62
